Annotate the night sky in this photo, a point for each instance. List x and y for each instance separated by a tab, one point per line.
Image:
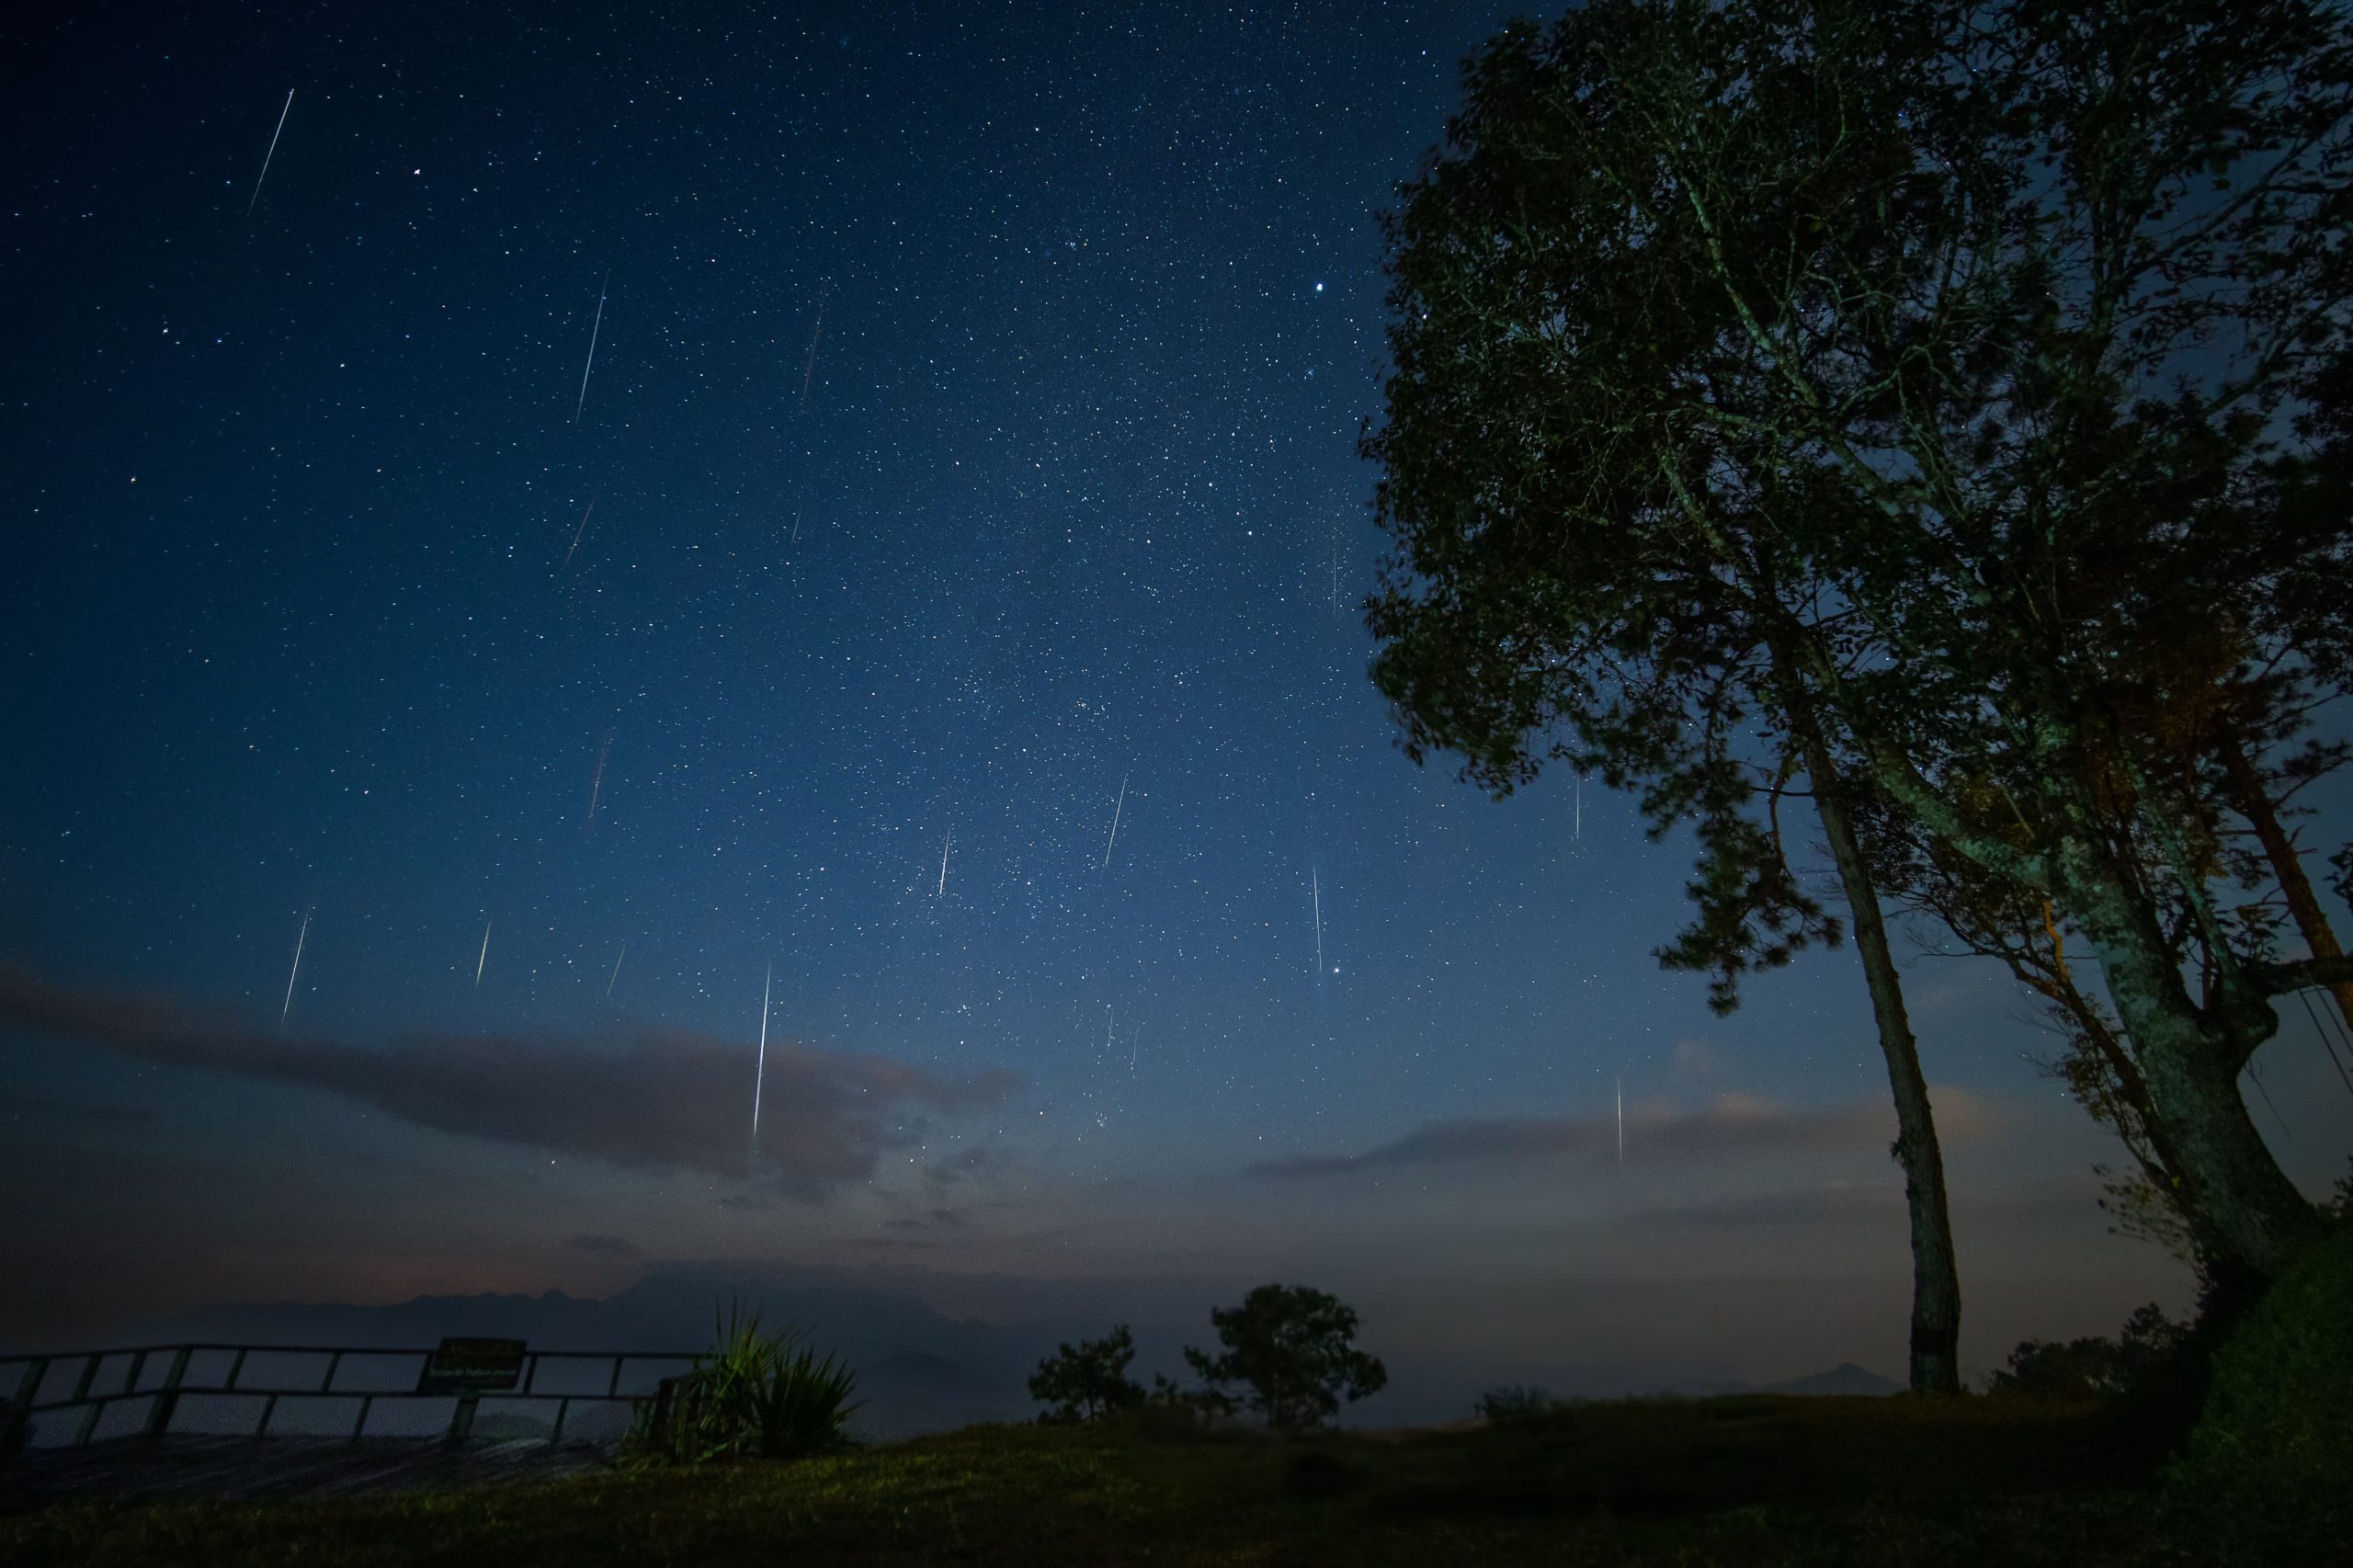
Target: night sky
967	460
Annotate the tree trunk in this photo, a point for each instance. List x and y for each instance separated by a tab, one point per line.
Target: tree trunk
2263	814
1936	1281
2187	1057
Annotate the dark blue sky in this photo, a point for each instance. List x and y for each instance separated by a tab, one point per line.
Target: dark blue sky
967	456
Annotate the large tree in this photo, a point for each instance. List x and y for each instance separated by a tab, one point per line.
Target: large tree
1932	363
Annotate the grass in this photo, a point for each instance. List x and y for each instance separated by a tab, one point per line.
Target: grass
1761	1481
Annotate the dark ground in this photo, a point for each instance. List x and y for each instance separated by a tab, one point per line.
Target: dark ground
1973	1483
143	1469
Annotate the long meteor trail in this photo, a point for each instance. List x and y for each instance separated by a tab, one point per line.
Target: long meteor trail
1118	806
617	971
1316	887
808	371
266	158
943	863
1621	1123
486	955
760	1071
300	937
593	331
580	532
597	785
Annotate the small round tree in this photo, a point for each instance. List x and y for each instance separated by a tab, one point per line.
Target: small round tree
1088	1381
1294	1348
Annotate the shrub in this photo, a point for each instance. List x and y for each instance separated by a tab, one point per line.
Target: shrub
2274	1445
1089	1380
1294	1349
2096	1367
752	1395
1513	1402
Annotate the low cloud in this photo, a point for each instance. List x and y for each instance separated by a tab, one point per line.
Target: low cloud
936	1219
604	1246
660	1097
1731	1124
978	1162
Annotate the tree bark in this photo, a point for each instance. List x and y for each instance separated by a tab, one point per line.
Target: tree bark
2263	814
1936	1280
2189	1060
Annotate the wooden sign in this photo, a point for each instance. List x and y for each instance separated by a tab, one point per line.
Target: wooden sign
472	1365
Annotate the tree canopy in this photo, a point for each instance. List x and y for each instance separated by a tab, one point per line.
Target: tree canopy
1294	1349
1976	373
1088	1381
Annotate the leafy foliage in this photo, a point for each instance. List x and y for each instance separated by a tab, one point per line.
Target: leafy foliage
2272	1443
753	1394
1980	375
1294	1349
2096	1367
1088	1381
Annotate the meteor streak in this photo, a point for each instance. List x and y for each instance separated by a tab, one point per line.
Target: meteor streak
617	971
596	328
1117	807
943	863
266	158
300	937
1316	887
760	1071
1621	1122
808	371
485	954
597	785
579	532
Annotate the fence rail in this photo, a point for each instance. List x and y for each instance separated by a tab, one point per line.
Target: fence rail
163	1398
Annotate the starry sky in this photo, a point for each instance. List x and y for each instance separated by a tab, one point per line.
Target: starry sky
935	605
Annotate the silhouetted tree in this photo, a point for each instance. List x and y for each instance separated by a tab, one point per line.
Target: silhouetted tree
2097	1366
1930	367
1294	1349
1088	1381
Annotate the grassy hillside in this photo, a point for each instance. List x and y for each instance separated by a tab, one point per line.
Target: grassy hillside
1754	1480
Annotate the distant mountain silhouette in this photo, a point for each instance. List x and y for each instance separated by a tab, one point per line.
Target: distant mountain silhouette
1845	1377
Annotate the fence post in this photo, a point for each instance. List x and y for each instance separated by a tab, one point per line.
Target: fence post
20	1413
367	1401
89	1375
562	1409
167	1398
269	1409
461	1421
234	1368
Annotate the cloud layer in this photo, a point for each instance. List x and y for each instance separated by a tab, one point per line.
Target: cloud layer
1731	1124
656	1097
